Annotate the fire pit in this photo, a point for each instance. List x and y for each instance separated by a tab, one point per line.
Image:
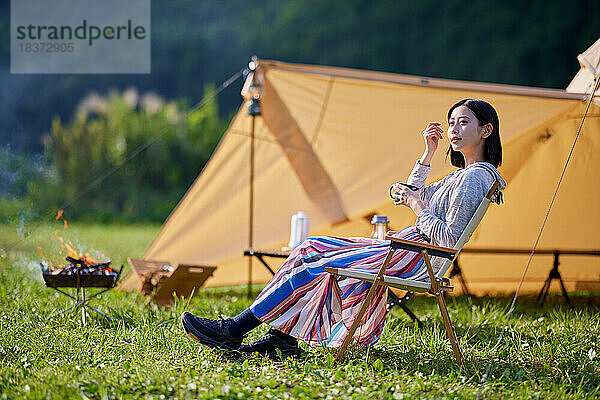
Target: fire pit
81	273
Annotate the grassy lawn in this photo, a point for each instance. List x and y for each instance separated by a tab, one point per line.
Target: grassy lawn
551	352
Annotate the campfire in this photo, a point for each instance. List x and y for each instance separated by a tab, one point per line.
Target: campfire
82	266
82	272
82	269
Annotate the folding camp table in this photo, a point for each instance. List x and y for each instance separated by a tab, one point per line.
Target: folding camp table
261	254
553	273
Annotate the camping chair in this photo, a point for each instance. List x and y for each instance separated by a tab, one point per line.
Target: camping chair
438	285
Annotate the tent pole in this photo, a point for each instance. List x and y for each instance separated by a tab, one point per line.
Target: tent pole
251	211
254	92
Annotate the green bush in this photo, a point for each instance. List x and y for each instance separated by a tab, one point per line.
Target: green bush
93	174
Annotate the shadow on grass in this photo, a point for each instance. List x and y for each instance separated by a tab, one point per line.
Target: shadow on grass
512	360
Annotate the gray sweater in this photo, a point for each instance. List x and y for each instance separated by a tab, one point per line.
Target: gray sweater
451	202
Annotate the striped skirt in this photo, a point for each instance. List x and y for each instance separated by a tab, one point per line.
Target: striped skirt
310	304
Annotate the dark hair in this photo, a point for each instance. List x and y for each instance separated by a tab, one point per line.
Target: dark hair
486	114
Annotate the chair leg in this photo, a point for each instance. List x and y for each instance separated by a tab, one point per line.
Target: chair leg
449	329
366	301
393	300
439	294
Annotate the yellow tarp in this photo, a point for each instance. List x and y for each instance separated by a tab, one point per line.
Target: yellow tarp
330	141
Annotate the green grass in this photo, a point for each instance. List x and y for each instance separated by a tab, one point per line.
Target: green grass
551	352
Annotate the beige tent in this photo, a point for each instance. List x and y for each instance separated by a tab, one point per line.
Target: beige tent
589	72
330	141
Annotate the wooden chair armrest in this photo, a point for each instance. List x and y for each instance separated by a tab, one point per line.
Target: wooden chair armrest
410	245
391	281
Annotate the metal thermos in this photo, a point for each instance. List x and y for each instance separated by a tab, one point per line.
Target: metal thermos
380	226
299	229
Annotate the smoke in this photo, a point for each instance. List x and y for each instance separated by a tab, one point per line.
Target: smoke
21	226
17	170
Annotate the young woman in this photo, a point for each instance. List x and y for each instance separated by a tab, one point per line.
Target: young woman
302	301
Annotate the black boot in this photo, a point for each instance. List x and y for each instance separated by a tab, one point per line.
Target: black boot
210	332
272	341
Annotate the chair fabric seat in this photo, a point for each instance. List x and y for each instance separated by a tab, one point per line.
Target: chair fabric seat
392	281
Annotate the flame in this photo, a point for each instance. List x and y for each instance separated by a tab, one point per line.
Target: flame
67	246
71	252
60	215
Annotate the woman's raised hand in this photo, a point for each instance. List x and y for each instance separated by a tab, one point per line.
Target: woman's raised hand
432	135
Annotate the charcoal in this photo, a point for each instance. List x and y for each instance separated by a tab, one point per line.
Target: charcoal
79	266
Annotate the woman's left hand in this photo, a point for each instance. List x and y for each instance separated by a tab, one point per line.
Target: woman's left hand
409	198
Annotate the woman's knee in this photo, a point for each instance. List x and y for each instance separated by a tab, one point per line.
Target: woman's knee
314	238
310	241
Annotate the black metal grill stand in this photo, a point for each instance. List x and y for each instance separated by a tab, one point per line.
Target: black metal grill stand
81	302
80	282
